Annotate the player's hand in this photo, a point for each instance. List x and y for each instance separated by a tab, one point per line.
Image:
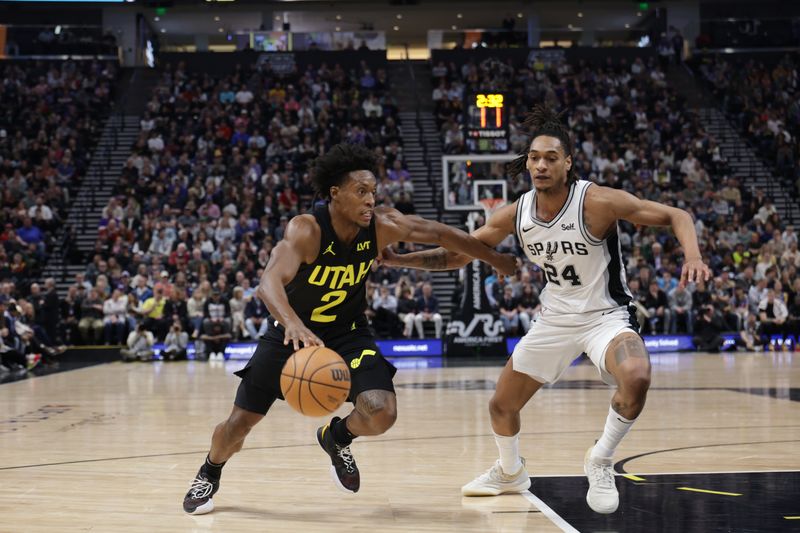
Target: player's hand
388	257
505	264
298	333
694	270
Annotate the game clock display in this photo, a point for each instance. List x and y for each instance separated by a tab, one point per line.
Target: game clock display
486	123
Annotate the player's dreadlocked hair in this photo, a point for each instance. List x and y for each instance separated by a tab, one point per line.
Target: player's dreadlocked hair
543	121
332	168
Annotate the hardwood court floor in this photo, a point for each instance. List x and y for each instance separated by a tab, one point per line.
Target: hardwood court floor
114	447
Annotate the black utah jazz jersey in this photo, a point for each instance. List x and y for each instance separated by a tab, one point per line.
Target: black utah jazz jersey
330	294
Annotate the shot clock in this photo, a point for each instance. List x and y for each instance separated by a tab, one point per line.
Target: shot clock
486	123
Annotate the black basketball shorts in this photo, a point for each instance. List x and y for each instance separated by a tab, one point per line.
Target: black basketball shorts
260	385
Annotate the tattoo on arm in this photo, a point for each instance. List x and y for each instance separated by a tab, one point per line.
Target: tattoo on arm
628	347
435	260
370	402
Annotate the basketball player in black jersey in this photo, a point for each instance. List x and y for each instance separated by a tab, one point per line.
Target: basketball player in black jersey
314	288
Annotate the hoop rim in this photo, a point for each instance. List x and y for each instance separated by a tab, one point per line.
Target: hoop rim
490	205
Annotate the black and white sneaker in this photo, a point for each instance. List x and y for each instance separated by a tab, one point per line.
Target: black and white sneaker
198	499
343	465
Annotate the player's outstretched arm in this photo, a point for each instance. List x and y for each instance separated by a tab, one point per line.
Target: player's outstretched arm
457	249
628	207
300	245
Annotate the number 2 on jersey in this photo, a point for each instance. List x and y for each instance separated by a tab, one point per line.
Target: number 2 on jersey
337	297
568	274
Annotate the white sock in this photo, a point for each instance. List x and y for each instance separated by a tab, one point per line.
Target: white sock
509	453
617	426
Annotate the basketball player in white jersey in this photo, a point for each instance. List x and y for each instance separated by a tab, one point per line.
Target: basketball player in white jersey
568	228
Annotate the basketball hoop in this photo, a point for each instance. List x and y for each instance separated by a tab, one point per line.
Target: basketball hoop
489	205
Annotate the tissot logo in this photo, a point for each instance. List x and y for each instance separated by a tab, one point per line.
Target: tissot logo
568	227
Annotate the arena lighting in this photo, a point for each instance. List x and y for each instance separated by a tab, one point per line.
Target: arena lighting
57	31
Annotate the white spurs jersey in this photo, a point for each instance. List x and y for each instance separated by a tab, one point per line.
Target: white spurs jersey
583	274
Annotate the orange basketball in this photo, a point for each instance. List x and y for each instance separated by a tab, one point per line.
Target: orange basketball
315	381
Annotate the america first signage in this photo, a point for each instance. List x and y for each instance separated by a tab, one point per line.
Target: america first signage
475	328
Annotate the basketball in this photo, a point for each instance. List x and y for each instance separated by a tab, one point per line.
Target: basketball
315	381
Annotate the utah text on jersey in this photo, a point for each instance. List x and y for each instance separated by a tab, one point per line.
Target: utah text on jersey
337	277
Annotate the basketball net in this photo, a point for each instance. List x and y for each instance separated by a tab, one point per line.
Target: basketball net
489	205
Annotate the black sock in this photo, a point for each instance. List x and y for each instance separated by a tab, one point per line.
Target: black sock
341	435
212	469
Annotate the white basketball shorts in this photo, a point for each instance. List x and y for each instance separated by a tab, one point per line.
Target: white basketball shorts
554	341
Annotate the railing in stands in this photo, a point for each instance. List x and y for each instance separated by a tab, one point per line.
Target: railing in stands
418	121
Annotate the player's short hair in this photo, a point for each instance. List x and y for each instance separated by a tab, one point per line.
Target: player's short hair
332	168
543	121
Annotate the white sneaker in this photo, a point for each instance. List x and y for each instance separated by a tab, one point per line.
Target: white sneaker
495	482
602	497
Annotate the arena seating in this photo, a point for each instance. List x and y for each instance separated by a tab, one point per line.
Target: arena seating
632	131
761	98
52	111
221	164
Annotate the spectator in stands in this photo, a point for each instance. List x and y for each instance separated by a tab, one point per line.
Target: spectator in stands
195	310
237	304
708	330
140	344
655	301
142	290
47	309
29	234
152	313
529	306
176	307
256	322
176	343
11	352
91	322
508	306
216	326
772	316
428	311
386	321
33	340
70	313
115	318
680	304
406	309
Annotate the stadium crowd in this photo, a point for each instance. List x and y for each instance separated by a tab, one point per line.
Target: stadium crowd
632	131
762	99
51	117
218	170
220	167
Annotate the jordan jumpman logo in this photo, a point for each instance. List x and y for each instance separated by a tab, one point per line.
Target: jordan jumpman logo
329	249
